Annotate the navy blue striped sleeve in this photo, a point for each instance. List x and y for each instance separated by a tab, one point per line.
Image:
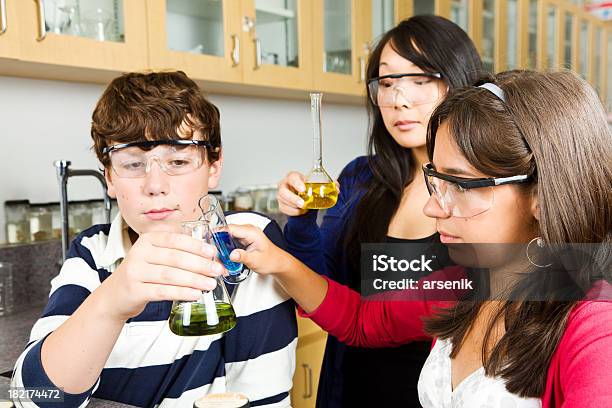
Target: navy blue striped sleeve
275	234
33	376
77	278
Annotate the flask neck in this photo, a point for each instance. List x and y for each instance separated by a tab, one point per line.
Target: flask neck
317	144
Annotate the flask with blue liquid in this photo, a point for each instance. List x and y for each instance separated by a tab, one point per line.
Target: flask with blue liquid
213	214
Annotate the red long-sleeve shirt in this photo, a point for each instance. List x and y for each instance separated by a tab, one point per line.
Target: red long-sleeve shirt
580	371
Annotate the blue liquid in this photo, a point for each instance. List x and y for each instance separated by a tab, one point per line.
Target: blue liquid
225	245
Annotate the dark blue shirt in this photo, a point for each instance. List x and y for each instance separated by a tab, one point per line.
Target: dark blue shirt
350	376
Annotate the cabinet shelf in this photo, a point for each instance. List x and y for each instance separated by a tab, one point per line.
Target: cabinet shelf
206	10
266	15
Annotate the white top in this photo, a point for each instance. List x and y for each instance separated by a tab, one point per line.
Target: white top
475	391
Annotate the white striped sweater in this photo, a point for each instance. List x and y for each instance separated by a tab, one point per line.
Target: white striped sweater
149	365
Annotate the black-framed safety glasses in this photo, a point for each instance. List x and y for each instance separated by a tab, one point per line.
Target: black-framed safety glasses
415	88
465	197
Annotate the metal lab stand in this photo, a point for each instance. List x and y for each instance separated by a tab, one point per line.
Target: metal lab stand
63	173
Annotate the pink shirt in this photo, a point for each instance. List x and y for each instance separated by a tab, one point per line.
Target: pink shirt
580	372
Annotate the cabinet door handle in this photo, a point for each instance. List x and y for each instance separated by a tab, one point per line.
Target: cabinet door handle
42	30
235	50
308	381
2	17
257	43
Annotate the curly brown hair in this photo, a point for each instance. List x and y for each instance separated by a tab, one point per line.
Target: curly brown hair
153	106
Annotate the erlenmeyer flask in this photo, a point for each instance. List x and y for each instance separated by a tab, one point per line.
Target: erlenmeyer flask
321	191
213	312
213	214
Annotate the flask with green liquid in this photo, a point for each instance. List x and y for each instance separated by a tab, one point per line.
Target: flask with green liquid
213	312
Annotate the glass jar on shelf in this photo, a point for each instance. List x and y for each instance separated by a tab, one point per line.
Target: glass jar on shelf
228	202
16	221
79	217
98	215
260	198
56	220
272	202
243	200
40	222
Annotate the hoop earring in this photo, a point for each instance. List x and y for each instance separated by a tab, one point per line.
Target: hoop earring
540	243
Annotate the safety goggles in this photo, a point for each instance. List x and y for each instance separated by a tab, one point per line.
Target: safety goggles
465	197
414	88
174	157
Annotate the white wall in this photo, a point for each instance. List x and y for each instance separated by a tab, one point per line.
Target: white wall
42	121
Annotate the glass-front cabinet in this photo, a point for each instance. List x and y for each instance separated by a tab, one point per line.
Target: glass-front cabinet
568	41
489	33
201	37
460	13
597	75
532	33
512	35
9	30
282	48
484	29
260	42
276	43
384	13
341	41
101	34
583	44
552	36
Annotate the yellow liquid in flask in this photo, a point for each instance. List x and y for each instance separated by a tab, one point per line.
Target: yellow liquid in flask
319	196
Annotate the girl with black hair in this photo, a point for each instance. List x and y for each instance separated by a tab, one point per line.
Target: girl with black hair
381	198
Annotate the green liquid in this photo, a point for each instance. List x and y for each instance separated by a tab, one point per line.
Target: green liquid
198	325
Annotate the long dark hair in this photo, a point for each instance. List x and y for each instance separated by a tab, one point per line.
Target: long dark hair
434	44
552	126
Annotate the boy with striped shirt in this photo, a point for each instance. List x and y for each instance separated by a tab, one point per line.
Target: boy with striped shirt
104	331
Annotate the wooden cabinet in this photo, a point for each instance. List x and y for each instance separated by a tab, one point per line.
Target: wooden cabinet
535	34
201	38
108	35
280	48
9	29
344	32
309	356
340	39
256	42
277	51
263	46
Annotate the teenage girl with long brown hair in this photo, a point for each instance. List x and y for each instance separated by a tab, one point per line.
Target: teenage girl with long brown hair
524	158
